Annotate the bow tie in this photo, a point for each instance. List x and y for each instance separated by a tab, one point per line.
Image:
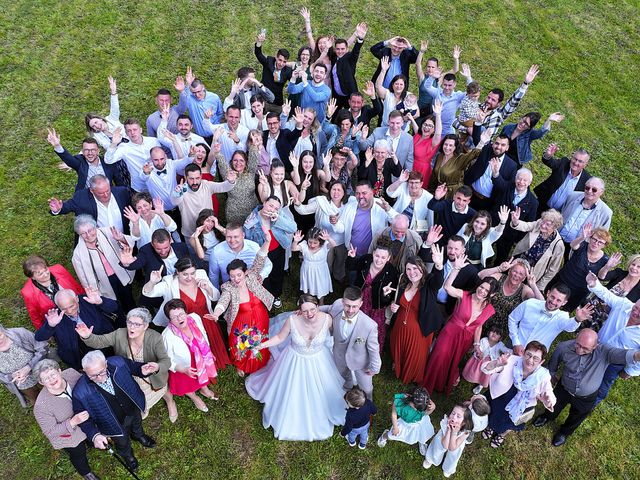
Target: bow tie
348	319
186	139
162	172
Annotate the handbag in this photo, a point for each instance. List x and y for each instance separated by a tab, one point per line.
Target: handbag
526	416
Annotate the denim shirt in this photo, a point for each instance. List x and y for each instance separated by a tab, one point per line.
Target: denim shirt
282	228
524	141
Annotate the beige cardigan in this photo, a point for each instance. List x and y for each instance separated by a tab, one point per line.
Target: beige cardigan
53	414
229	300
550	261
89	268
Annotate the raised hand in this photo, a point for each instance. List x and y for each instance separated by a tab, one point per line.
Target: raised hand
424	45
437	255
494	163
404	176
117	136
156	275
591	279
164	114
437	107
515	216
83	330
126	256
551	150
585	312
368	154
437	73
504	266
532	73
383	204
262	178
324	235
503	214
441	191
387	289
178	188
232	176
147	168
113	87
456	52
117	235
158	205
189	76
614	260
586	230
298	116
369	89
55	205
179	84
131	215
556	117
460	262
466	71
504	358
286	108
531	278
434	234
298	236
306	14
385	63
332	106
361	30
235	87
352	251
53	317
306	182
53	138
92	295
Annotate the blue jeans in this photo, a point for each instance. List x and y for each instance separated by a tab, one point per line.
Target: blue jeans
610	376
363	431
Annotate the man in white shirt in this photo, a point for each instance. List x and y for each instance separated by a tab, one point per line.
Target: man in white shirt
185	138
135	153
542	320
234	247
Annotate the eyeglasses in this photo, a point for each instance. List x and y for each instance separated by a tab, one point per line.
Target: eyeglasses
84	233
428	125
591	189
103	373
52	377
598	241
177	316
134	324
533	357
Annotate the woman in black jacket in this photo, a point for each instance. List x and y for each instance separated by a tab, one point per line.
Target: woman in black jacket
377	278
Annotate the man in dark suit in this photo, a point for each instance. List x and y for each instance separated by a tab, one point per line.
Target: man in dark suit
493	168
160	252
86	164
92	310
467	278
101	201
451	215
279	142
401	56
343	66
517	197
567	175
275	72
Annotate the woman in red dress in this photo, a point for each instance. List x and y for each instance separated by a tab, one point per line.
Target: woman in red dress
192	364
462	331
246	303
426	141
43	283
417	317
196	291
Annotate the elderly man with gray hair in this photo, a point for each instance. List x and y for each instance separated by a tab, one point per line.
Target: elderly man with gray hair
60	323
53	411
114	401
582	208
139	343
404	243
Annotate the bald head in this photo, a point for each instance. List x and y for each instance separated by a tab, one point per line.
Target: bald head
586	341
399	226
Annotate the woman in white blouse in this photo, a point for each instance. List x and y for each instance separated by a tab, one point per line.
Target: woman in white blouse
146	217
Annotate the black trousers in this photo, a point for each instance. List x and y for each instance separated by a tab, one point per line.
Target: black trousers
478	203
132	426
124	293
580	409
78	457
273	282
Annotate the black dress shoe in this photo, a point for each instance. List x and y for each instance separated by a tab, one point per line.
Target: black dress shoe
146	441
540	421
131	461
559	439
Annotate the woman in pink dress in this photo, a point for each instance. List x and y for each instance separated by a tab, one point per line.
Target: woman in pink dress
462	331
426	141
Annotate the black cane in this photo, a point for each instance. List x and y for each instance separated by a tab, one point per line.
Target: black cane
124	464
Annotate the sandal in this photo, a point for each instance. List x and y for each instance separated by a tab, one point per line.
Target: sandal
487	433
497	441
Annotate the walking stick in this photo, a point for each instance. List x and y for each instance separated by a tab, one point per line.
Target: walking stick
124	464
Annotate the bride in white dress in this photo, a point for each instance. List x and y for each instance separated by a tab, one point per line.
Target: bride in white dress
301	389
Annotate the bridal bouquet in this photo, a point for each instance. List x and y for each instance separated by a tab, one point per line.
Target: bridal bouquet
247	341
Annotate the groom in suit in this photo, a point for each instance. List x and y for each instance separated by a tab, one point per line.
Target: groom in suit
355	341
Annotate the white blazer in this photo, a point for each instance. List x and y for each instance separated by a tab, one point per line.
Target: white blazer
168	288
379	219
420	209
487	244
177	350
323	208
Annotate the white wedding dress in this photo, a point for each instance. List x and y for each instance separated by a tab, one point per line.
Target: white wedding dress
301	389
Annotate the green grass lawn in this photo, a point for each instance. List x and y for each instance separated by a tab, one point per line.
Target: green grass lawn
53	68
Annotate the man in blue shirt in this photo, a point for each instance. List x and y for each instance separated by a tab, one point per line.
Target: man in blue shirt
315	94
203	106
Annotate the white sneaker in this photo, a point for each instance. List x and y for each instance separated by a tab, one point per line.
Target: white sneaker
426	464
382	441
277	303
422	447
477	389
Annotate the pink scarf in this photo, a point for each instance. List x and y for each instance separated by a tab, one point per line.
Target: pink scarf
205	364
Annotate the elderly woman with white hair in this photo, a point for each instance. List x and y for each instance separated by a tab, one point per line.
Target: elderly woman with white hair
19	353
379	167
53	411
542	246
139	343
96	261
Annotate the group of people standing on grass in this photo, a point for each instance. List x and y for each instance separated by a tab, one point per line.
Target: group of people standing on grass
417	208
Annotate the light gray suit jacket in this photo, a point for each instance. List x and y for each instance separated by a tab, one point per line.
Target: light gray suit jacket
404	151
361	350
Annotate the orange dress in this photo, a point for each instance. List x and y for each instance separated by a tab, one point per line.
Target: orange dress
409	348
251	314
216	342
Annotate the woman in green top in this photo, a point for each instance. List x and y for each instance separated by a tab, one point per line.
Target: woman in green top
410	418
